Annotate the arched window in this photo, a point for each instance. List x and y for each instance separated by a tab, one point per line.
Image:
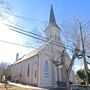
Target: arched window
46	68
55	37
28	71
35	73
21	73
58	38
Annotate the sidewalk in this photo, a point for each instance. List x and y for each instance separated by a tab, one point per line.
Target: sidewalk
26	86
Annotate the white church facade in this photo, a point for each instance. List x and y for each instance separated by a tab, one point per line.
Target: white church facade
37	67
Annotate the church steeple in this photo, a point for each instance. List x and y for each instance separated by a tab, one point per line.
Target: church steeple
52	16
52	31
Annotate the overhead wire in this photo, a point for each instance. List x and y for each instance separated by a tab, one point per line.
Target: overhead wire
11	22
27	34
20	28
29	19
15	44
26	18
34	36
25	31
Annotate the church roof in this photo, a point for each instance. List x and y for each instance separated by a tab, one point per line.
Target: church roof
31	54
26	56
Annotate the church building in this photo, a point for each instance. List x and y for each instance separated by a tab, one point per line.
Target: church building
38	67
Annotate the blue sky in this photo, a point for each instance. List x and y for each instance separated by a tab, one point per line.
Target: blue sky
64	9
39	10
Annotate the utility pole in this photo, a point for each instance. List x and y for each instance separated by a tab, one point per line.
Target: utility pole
84	58
66	72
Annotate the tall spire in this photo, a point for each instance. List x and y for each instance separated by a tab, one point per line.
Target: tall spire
52	16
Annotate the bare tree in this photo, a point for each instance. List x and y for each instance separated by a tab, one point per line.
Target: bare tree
4	70
73	39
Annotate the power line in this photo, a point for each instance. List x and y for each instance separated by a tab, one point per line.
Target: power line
15	44
27	35
14	23
3	41
29	19
70	48
25	31
20	28
26	18
35	36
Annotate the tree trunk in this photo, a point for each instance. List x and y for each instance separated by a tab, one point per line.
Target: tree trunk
65	75
72	62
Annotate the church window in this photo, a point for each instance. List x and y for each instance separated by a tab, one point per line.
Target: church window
46	69
55	37
35	62
35	73
28	71
21	73
58	38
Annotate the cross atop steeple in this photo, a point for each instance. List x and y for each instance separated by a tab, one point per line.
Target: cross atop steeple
52	17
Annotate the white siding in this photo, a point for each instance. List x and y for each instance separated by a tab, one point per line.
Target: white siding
16	71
